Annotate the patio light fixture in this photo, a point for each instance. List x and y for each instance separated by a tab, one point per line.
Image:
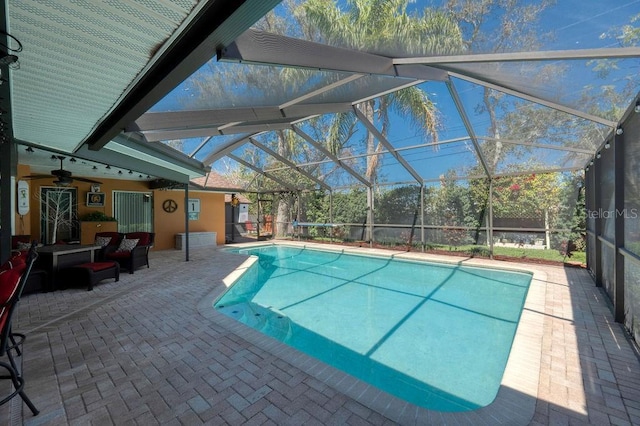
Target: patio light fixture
598	155
119	172
29	150
607	145
619	130
108	167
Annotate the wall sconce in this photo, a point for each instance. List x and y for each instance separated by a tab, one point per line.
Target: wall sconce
591	163
607	145
130	172
54	158
619	130
29	150
587	169
598	155
637	107
72	160
95	167
108	167
119	172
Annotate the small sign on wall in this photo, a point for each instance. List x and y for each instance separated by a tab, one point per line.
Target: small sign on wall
193	206
194	215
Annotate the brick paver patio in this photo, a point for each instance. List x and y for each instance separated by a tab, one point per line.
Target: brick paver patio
150	349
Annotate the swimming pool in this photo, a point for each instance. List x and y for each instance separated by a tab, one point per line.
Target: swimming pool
436	335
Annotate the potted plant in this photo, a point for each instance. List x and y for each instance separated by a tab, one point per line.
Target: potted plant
97	217
93	222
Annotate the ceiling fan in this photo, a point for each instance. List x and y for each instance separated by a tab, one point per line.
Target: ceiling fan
65	177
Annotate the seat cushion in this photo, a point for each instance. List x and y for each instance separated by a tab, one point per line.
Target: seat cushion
9	280
96	266
118	255
16	260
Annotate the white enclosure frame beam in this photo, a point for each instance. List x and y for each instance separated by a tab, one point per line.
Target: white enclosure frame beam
519	94
225	149
261	47
289	163
263	173
467	124
379	136
548	55
329	155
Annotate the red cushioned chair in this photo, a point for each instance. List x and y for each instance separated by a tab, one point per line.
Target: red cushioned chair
19	240
13	277
135	257
112	245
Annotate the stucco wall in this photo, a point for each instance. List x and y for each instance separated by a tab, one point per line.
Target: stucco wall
166	225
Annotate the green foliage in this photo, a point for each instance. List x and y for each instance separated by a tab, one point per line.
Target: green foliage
97	216
398	205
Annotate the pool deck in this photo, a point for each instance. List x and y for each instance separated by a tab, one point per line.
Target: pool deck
150	349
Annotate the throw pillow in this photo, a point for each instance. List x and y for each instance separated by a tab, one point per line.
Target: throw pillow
128	244
103	241
23	246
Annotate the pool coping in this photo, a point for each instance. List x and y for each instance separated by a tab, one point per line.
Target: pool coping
516	399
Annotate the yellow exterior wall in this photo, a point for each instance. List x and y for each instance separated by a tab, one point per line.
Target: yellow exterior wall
211	218
166	225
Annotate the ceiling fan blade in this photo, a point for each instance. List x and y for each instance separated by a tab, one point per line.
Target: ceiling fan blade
82	179
38	177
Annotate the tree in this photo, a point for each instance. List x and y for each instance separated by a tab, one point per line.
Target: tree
58	212
492	26
386	27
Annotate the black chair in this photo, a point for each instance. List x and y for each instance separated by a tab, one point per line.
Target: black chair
134	257
13	277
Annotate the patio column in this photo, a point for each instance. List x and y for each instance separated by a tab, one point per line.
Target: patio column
8	152
490	221
186	221
618	271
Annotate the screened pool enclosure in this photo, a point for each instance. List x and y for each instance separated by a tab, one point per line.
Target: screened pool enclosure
429	125
487	127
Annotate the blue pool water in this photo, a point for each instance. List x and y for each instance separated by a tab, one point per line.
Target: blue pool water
435	335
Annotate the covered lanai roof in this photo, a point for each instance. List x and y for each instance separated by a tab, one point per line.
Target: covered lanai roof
532	89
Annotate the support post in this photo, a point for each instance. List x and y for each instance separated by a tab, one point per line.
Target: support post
186	221
233	217
370	216
490	221
8	151
422	239
331	215
597	198
620	216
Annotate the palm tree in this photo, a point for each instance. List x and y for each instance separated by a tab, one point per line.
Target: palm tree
386	27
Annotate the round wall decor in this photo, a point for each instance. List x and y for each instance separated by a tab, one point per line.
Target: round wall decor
169	206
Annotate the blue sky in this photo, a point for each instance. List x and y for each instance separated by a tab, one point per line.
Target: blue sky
577	24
